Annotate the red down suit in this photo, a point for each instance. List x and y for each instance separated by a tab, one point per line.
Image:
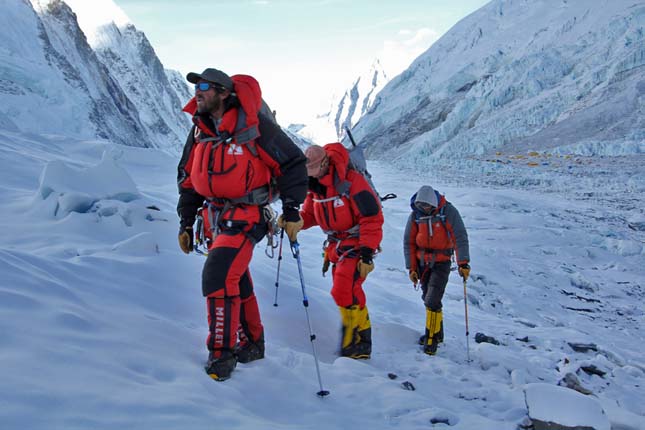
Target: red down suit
231	166
345	207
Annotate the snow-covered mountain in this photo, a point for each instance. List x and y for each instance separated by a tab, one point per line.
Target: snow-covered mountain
519	75
130	58
346	110
53	81
179	84
299	140
358	99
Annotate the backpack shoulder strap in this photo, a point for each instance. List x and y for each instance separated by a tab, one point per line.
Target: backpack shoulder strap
342	187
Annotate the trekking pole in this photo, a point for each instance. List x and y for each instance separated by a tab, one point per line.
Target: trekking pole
277	277
351	138
466	316
295	249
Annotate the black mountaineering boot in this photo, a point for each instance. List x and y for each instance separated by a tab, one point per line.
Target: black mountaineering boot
220	364
248	351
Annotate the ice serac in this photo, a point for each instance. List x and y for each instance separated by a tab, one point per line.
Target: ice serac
520	75
358	99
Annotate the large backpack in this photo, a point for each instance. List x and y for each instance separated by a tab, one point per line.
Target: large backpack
250	106
358	162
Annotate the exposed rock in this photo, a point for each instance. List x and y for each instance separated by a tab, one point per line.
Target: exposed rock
407	385
583	347
593	370
570	380
482	338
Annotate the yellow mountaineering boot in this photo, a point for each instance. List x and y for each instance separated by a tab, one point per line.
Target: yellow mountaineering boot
424	336
356	332
433	329
363	348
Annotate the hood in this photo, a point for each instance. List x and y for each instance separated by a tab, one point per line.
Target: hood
249	94
427	194
338	159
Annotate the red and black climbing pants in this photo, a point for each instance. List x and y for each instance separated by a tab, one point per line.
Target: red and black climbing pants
228	288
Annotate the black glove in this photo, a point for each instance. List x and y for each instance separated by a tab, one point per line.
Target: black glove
290	213
367	254
325	266
186	237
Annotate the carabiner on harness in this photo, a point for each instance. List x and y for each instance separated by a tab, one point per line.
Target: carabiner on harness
273	230
200	244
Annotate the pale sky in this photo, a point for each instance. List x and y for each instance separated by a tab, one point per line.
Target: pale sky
301	51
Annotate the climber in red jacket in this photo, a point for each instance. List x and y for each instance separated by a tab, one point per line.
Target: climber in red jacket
343	204
237	160
434	233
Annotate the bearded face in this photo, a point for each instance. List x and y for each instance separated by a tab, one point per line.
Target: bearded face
208	101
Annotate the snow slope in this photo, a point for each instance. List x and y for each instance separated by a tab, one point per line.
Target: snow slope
103	323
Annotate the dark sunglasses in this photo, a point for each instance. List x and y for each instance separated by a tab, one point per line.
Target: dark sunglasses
426	207
205	86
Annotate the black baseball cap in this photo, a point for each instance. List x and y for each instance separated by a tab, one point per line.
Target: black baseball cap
211	75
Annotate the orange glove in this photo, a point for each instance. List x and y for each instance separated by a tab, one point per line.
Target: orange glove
414	277
366	263
291	227
186	239
364	269
464	270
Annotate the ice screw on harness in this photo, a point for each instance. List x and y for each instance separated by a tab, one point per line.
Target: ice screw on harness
295	250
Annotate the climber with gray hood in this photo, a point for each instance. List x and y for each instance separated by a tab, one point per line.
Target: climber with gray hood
434	234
